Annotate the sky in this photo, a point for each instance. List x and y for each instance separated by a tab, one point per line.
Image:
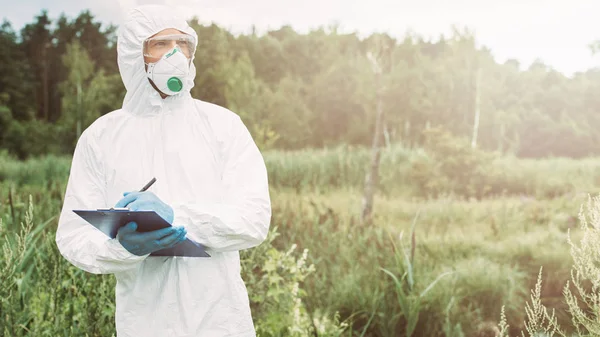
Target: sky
556	32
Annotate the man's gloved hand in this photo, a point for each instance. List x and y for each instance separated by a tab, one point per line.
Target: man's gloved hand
146	201
145	243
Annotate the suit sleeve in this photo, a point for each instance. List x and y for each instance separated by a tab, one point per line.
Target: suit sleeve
80	243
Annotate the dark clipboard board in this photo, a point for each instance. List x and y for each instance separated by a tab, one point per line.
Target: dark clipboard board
108	221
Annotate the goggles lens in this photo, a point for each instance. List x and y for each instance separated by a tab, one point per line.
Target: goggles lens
157	46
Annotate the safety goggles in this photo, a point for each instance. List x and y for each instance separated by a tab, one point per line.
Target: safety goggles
156	47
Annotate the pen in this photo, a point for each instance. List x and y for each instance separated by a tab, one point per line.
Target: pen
148	185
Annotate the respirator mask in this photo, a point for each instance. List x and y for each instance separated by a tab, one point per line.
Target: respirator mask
169	60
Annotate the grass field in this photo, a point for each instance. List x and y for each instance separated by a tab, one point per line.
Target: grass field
478	253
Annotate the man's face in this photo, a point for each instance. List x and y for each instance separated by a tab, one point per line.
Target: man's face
155	47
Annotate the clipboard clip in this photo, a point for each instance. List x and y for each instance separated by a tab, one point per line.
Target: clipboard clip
113	209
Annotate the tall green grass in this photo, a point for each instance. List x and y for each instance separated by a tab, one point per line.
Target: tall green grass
403	172
489	250
41	294
492	248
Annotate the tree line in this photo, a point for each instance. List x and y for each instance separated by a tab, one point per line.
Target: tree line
293	90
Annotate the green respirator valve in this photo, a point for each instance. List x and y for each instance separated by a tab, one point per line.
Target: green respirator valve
174	84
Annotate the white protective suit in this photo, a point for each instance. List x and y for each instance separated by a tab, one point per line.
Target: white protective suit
210	172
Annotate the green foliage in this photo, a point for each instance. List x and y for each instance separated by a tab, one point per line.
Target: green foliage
581	292
451	166
402	172
315	89
539	323
41	294
585	275
17	78
42	171
15	134
276	293
408	296
248	96
85	92
493	247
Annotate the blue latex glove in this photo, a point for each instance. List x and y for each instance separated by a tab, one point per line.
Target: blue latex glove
146	201
145	243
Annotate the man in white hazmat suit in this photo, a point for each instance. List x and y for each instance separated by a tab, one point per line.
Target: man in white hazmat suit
211	186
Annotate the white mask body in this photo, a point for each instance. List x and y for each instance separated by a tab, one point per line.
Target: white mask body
171	74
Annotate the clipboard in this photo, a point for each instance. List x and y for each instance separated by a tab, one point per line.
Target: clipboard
109	220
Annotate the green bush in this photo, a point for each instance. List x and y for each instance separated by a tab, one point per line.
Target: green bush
450	166
446	167
41	294
581	293
493	247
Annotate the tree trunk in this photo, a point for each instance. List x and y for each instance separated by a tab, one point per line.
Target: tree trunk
45	90
372	177
477	109
407	136
386	135
501	140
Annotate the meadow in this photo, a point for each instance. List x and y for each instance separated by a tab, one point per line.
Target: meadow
457	236
460	237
